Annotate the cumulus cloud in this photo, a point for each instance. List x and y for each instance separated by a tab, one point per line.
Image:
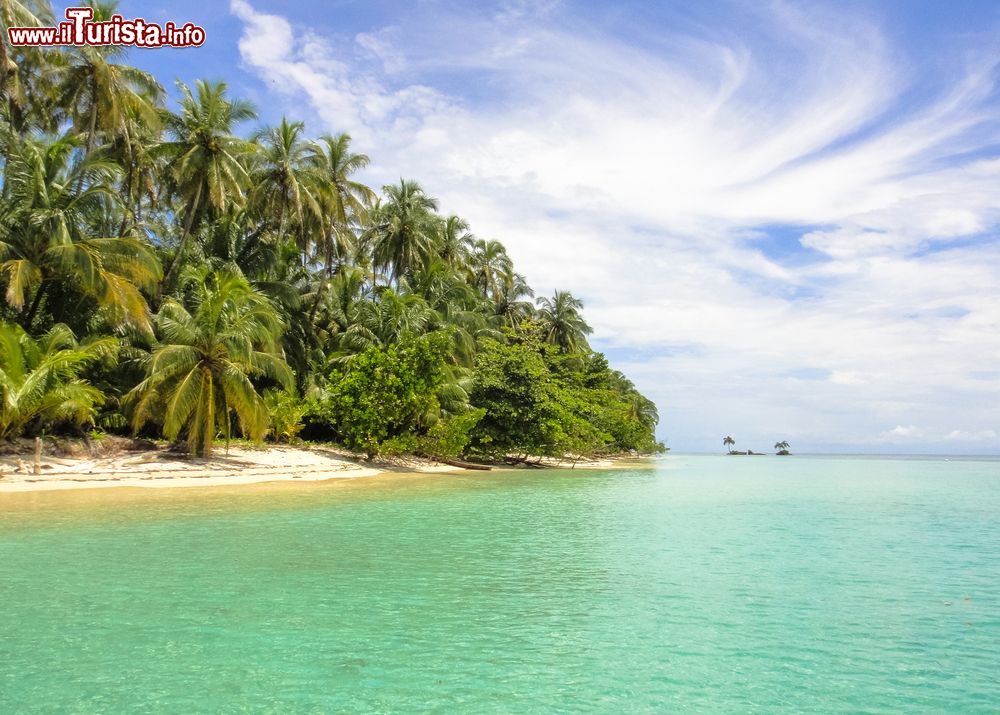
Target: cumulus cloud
662	180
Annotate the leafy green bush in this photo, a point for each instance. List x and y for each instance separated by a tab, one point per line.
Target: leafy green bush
287	412
384	392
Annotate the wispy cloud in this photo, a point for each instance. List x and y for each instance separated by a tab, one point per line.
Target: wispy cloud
648	175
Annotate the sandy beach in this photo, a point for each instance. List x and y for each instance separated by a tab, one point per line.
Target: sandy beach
159	468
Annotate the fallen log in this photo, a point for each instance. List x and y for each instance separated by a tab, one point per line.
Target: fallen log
464	465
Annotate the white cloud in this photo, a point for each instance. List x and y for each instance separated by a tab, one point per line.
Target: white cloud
639	176
986	435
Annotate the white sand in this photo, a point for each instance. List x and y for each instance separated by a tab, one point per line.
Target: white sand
160	469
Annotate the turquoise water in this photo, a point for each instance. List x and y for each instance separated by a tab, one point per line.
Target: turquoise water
699	584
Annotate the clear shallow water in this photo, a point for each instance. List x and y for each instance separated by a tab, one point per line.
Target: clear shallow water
702	584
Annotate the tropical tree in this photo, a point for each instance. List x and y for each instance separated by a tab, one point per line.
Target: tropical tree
200	375
17	13
205	162
510	302
391	318
728	441
454	242
782	447
404	229
344	201
488	263
282	179
561	321
100	95
40	380
53	198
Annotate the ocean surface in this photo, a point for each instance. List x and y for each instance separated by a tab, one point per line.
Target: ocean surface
692	584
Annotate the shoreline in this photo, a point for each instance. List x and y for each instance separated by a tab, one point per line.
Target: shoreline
157	469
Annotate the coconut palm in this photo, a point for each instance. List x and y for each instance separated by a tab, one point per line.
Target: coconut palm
782	447
199	376
205	162
488	263
344	202
53	200
282	190
728	441
509	302
404	229
99	94
391	318
17	13
454	241
561	321
40	381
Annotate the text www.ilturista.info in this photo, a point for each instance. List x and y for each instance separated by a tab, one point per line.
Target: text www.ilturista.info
80	29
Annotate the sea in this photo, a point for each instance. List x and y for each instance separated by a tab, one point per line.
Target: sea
688	583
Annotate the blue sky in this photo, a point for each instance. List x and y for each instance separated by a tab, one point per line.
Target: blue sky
781	215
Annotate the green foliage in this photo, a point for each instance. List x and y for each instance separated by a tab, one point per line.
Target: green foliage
515	388
287	412
541	401
449	437
383	392
40	383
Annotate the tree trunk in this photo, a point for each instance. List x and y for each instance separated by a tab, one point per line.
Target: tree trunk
30	317
188	222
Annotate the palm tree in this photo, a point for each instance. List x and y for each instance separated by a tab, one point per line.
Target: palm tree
509	303
454	242
782	447
728	442
53	199
281	180
132	147
488	263
200	374
392	318
345	202
17	13
562	323
99	94
204	160
404	229
40	381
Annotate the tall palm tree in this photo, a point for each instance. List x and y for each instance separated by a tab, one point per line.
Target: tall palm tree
40	381
200	374
488	263
99	94
53	200
728	441
204	160
782	447
510	302
281	179
404	229
455	242
132	147
17	13
344	201
561	321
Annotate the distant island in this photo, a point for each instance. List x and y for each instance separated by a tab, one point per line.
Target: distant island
782	448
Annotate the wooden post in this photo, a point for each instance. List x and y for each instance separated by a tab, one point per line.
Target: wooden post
38	455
